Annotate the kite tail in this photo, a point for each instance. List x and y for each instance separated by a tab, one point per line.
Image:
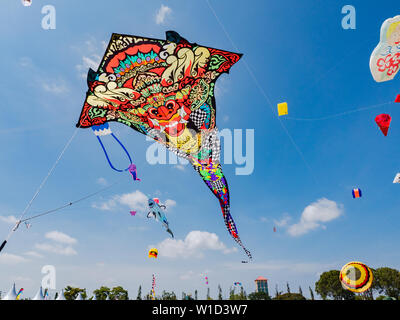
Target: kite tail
212	175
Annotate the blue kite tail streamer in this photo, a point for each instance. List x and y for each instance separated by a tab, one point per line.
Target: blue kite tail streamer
108	159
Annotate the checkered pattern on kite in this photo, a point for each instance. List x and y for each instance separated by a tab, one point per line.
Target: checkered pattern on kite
220	189
210	141
198	116
218	185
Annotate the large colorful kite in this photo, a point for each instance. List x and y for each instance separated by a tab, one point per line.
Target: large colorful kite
165	90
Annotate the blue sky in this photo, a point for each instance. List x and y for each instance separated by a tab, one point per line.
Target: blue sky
294	51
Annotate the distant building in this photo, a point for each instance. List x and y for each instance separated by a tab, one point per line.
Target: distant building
261	285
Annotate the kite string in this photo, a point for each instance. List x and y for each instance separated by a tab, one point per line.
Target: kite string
70	203
342	113
45	180
265	95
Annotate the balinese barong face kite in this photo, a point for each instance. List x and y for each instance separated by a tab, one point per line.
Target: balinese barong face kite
165	90
385	59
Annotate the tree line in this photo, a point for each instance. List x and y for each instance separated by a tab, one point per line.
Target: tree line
385	286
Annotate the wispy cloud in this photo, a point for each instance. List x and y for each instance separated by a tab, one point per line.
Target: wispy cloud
11	259
90	52
8	219
56	248
61	244
321	211
284	221
55	87
194	245
33	254
102	181
60	237
162	14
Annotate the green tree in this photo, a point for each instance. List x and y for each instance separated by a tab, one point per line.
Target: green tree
290	296
208	294
71	293
329	286
387	281
300	291
119	293
195	294
259	296
239	296
311	293
219	293
287	286
102	293
168	295
139	294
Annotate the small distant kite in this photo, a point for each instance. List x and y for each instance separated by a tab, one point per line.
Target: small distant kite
274	229
19	294
397	178
356	277
383	121
237	283
133	213
206	280
282	108
158	214
356	193
385	59
153	253
397	99
26	3
133	171
153	286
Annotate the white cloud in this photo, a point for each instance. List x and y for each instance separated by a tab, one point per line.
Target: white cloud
180	167
162	13
33	254
60	237
284	221
136	200
8	258
323	210
264	219
9	219
56	87
102	181
90	57
56	248
170	203
193	246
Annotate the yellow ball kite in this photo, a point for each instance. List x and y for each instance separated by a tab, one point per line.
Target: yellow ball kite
356	277
153	253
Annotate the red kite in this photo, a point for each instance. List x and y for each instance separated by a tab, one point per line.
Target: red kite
383	121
